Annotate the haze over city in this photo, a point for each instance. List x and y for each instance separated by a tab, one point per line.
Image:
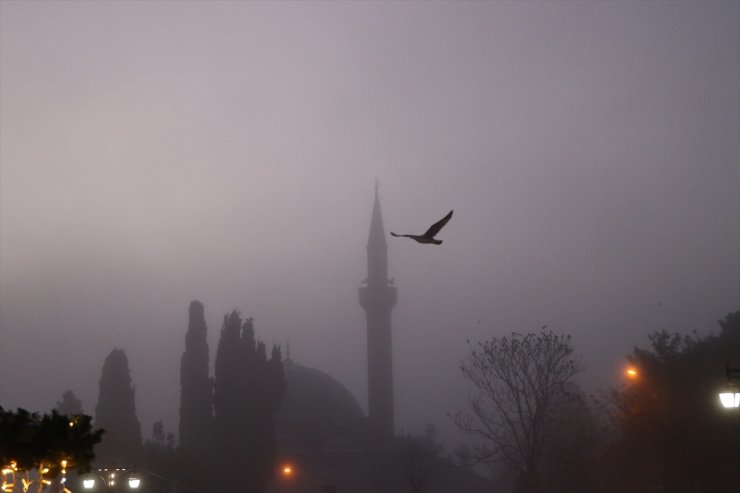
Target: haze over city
156	153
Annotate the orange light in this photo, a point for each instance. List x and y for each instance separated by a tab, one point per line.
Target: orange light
287	470
631	373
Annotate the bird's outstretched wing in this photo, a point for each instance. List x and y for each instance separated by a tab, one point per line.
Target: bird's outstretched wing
399	236
434	228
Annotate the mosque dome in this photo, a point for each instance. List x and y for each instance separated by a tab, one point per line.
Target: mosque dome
316	411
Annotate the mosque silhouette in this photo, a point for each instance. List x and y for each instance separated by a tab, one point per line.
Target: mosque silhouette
325	439
318	413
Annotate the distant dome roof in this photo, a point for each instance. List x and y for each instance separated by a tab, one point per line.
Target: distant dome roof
317	413
314	396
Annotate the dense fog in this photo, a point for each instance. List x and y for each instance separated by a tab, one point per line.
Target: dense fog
156	153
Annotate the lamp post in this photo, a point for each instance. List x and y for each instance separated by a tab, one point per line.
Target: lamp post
729	396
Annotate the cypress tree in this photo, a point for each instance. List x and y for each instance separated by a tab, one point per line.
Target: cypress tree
196	396
247	394
229	405
116	414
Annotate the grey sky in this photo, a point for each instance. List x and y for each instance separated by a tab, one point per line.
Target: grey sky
157	152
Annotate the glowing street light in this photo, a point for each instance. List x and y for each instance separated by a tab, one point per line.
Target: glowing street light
729	395
631	373
287	471
109	477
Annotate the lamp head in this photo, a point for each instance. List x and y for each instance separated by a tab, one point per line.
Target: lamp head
729	396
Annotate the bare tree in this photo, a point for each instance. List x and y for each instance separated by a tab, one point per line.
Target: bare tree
520	385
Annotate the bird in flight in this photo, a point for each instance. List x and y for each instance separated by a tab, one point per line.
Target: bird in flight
429	236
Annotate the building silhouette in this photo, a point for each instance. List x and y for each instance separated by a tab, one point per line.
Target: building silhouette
322	434
377	298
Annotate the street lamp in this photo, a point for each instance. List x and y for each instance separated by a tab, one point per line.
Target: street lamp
729	396
287	471
109	478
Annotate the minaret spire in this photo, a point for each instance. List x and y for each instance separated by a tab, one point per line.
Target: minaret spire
377	249
378	298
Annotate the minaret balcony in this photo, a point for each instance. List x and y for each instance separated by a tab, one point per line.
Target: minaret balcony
374	296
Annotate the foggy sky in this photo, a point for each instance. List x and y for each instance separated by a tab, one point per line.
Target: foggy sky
154	153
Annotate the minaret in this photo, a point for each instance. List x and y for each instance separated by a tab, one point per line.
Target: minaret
378	297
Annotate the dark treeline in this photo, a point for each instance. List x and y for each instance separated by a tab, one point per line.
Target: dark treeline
669	432
248	391
227	423
661	431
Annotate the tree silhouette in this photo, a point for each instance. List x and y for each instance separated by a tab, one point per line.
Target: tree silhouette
49	444
519	390
196	393
196	402
672	432
70	404
116	413
164	471
417	459
571	455
248	391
